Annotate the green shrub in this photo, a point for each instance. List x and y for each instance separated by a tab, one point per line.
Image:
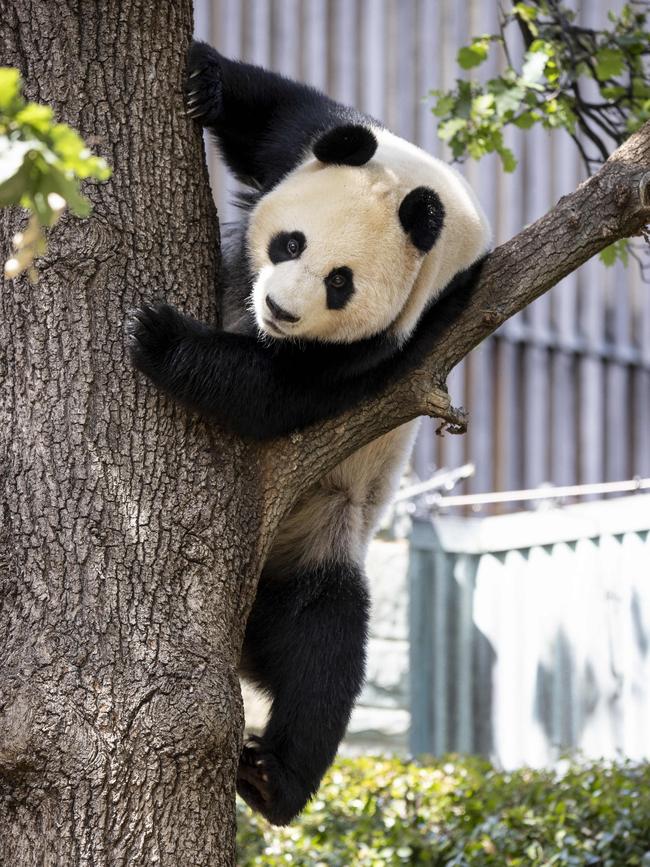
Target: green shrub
461	811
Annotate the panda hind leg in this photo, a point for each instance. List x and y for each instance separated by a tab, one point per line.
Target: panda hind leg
305	645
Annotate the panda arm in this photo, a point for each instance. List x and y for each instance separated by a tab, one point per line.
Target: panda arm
256	391
262	121
264	392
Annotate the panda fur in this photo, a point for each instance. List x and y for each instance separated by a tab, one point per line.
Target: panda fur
348	235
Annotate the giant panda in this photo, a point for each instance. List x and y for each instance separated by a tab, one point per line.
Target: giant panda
353	249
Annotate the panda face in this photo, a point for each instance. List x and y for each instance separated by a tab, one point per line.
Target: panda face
360	238
332	260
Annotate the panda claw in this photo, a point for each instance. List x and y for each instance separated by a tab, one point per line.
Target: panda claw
203	100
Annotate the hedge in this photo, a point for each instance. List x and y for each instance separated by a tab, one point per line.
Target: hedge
461	811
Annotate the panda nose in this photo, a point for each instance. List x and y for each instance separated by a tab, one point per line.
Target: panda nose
279	313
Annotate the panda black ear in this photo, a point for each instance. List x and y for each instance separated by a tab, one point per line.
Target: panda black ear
422	216
348	145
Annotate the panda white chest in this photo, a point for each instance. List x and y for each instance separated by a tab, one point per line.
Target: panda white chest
337	517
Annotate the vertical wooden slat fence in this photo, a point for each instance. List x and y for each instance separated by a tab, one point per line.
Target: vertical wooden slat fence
562	393
530	633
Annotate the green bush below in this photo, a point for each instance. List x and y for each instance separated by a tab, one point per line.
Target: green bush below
460	811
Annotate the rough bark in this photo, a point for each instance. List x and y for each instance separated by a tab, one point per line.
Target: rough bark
132	533
125	580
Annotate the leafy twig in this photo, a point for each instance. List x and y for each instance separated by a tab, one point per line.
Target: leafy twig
41	166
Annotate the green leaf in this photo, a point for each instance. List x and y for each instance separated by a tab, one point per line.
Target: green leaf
618	251
533	68
613	91
483	105
46	215
640	89
508	98
526	119
444	103
13	186
9	86
508	159
610	62
12	155
476	148
464	101
526	13
16	165
98	168
57	182
608	255
474	54
76	156
450	128
68	143
39	117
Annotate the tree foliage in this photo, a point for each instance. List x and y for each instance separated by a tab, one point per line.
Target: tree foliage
594	84
41	166
561	60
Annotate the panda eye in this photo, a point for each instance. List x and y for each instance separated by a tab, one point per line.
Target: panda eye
339	278
339	287
286	246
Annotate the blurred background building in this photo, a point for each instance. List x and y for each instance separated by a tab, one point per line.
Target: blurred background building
528	634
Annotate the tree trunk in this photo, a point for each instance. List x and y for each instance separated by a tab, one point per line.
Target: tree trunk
125	577
132	534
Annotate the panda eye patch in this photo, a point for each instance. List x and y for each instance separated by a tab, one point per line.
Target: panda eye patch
286	246
340	287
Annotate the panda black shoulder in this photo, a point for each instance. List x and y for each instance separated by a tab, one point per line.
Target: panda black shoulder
441	313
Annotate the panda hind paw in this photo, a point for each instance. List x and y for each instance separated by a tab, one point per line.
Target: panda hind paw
268	786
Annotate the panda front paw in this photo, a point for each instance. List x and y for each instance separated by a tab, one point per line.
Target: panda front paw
203	85
268	786
153	332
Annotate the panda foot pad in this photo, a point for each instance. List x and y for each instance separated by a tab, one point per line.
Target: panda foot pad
267	786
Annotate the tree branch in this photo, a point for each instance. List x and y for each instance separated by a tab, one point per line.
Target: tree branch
612	204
